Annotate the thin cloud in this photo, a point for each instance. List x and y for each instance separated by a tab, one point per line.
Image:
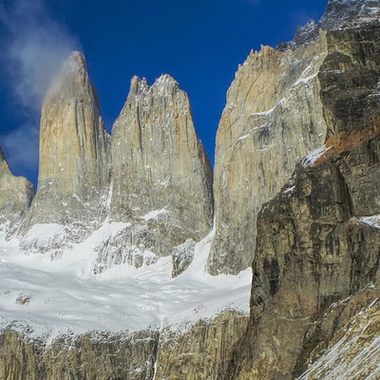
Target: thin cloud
34	46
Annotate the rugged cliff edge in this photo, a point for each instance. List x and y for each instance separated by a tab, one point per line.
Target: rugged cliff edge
16	194
319	240
106	275
145	355
73	164
161	181
272	118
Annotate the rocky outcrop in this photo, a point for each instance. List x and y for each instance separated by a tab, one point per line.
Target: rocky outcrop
16	194
158	162
142	355
73	164
273	117
129	356
202	351
319	240
158	183
342	12
161	177
340	340
182	257
315	291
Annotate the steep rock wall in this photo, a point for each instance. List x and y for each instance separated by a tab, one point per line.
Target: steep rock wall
16	194
273	117
143	355
73	164
161	177
319	240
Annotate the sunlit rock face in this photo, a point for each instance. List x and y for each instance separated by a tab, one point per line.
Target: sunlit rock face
161	177
318	240
73	166
272	118
157	160
16	194
310	225
197	353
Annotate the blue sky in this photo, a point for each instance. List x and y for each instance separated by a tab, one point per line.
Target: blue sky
199	42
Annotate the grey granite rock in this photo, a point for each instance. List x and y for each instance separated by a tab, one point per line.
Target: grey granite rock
272	118
73	166
161	177
16	194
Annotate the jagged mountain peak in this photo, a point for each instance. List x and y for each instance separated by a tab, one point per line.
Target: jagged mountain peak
78	58
4	167
71	81
16	193
160	172
138	85
164	85
73	164
341	12
75	65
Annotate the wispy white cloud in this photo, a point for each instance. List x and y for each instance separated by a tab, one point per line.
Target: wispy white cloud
33	48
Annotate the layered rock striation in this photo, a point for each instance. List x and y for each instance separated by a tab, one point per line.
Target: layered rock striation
319	239
143	355
272	118
161	177
73	164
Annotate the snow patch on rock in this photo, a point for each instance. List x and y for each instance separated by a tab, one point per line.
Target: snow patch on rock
66	297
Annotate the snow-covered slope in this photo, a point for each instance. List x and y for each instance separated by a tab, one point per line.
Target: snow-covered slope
44	298
354	351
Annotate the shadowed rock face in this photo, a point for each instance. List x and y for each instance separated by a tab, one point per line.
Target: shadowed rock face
16	194
319	240
73	169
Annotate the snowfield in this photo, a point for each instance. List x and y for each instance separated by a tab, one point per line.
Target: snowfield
44	298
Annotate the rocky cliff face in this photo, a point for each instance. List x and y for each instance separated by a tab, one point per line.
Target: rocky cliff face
161	177
155	179
314	239
273	117
158	161
346	334
319	240
16	194
144	355
73	166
